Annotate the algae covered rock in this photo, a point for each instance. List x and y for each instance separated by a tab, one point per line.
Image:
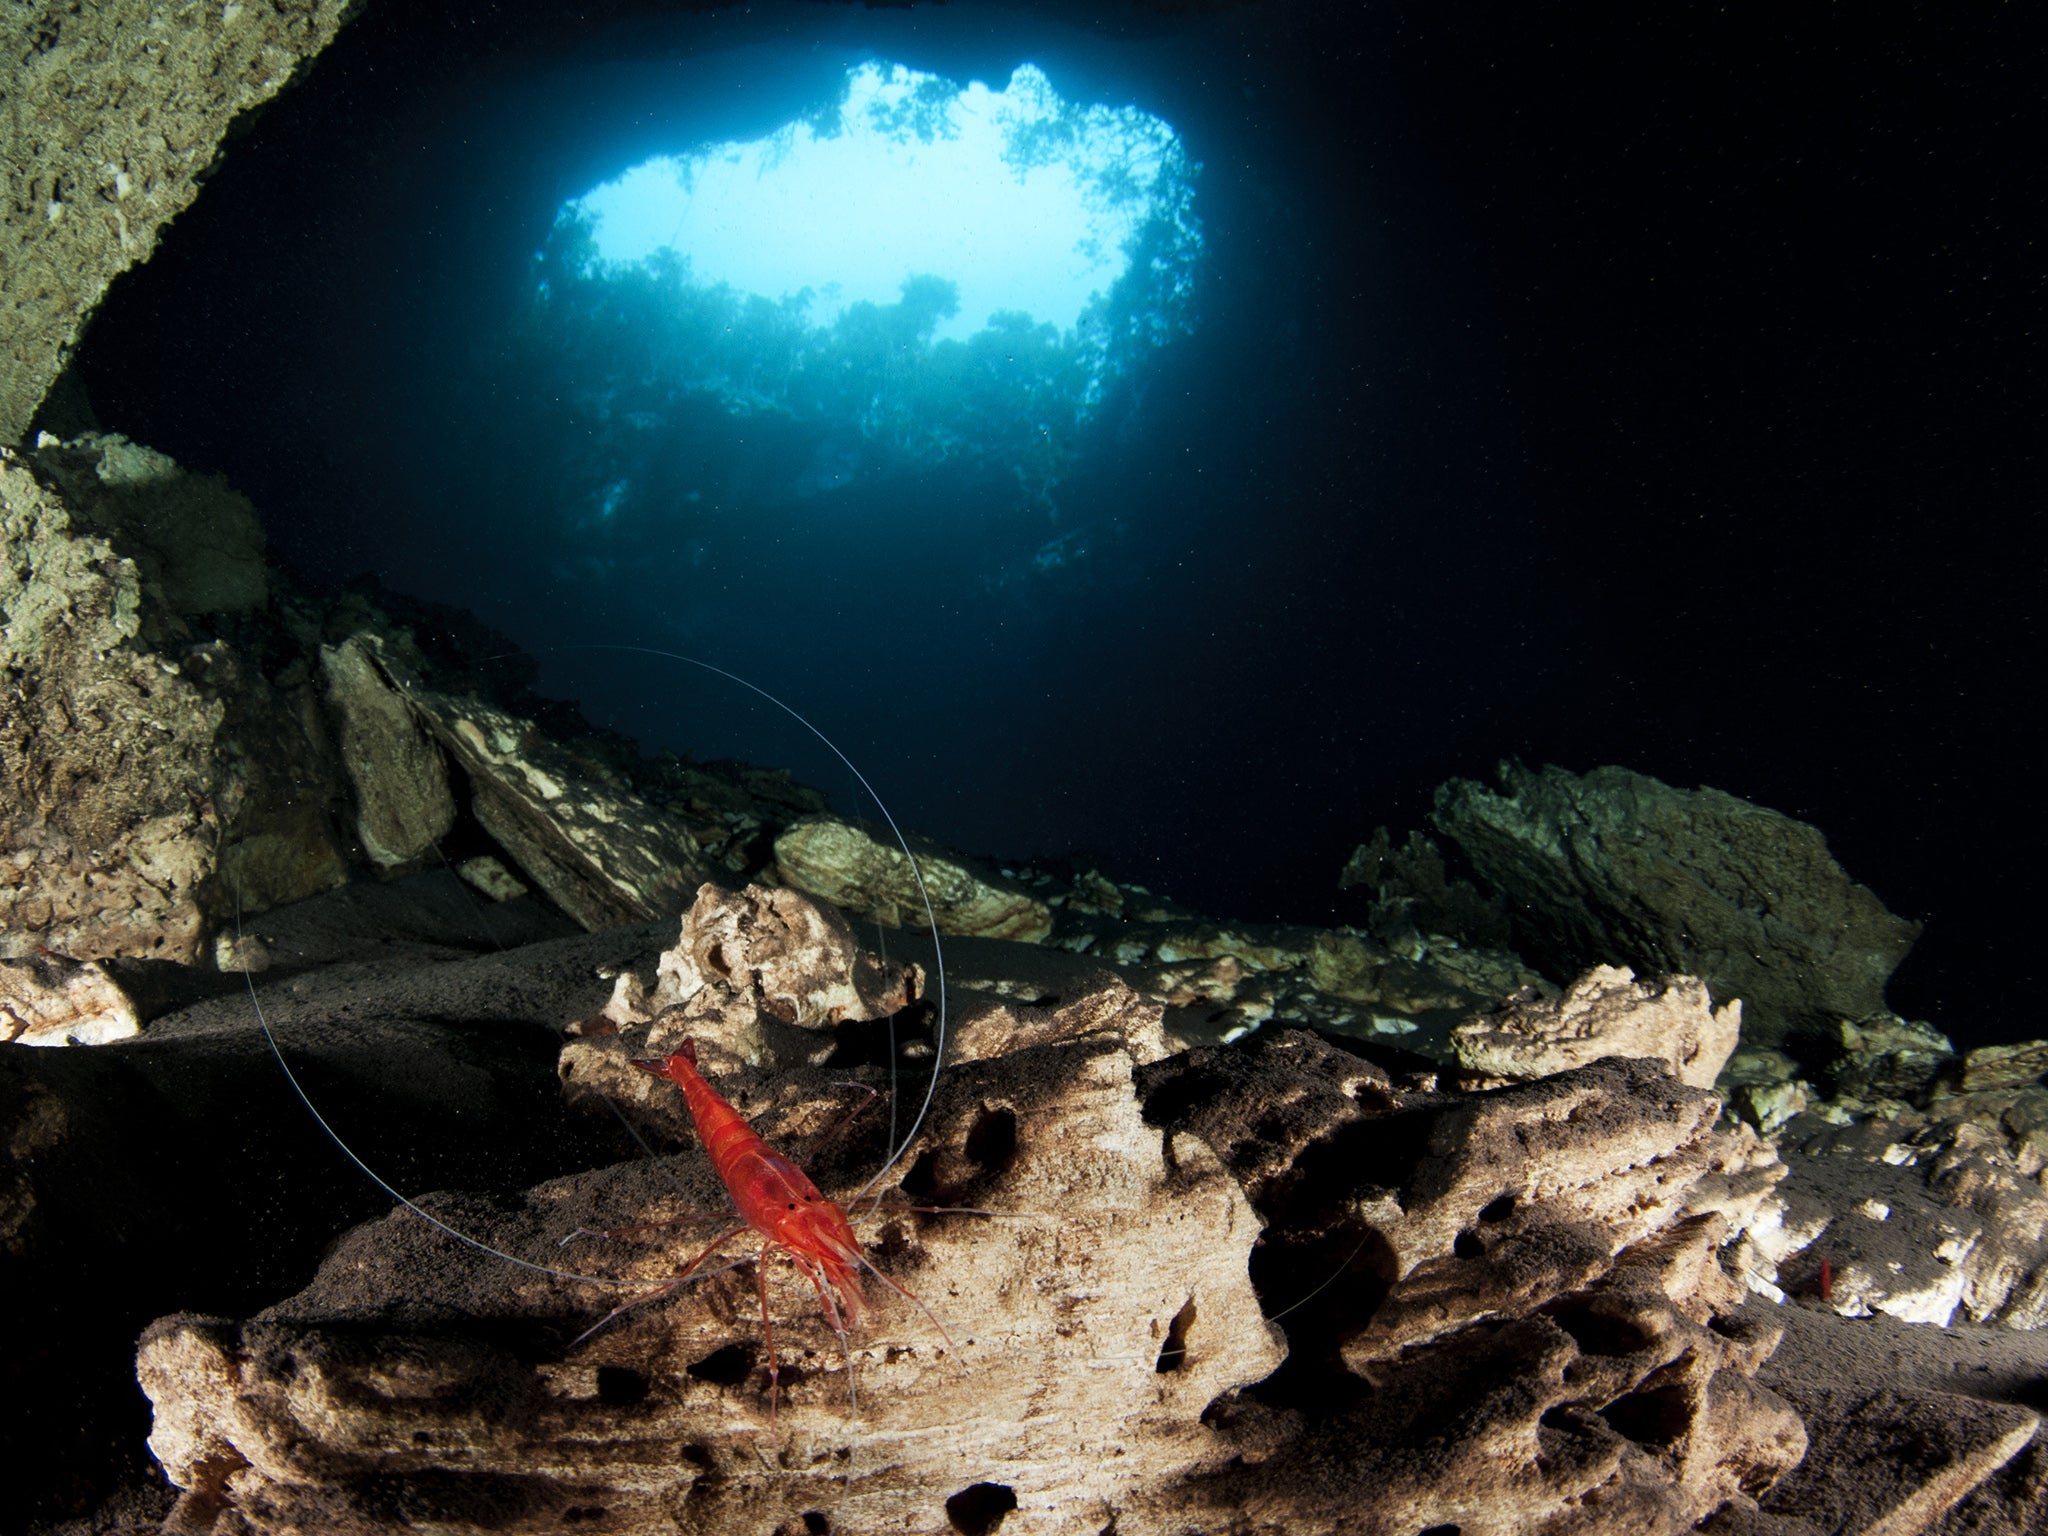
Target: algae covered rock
116	109
154	779
852	867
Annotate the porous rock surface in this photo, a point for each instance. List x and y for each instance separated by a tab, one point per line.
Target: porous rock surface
1509	1311
1606	1012
47	999
146	773
1536	1304
1927	1219
1092	1305
197	542
1616	867
602	853
114	111
1532	1319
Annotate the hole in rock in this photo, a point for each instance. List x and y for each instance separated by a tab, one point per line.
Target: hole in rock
1597	1332
1468	1246
725	1367
1498	1210
1438	1530
1320	1292
1173	1354
992	1143
816	1523
979	1509
922	1182
576	1514
700	1456
1654	1417
1756	1480
620	1387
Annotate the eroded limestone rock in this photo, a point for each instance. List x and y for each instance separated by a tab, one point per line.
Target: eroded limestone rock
46	999
1509	1311
1606	1012
799	953
1886	1063
1535	1294
1930	1220
403	799
601	852
153	779
1615	867
417	1370
757	977
107	824
1994	1067
197	541
1241	976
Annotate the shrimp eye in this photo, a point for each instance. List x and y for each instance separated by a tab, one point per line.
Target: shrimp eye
792	1205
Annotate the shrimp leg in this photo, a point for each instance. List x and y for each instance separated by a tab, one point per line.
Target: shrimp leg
687	1270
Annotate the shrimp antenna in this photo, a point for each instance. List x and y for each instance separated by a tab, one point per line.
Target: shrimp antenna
916	873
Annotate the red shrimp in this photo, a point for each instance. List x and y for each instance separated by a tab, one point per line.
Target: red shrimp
778	1200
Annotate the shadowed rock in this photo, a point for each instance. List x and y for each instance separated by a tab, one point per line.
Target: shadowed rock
1615	867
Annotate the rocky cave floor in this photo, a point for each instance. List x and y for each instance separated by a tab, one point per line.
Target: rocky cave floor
1524	1332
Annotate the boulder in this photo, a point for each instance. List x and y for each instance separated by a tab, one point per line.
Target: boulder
196	541
1992	1067
404	802
601	852
46	999
853	867
1533	1310
1615	867
153	780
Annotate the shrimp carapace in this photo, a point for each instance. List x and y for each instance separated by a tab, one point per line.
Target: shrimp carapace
773	1195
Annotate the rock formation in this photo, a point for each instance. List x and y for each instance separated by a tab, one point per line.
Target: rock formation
150	773
852	867
1606	1012
115	117
1506	1311
1615	867
1085	1310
